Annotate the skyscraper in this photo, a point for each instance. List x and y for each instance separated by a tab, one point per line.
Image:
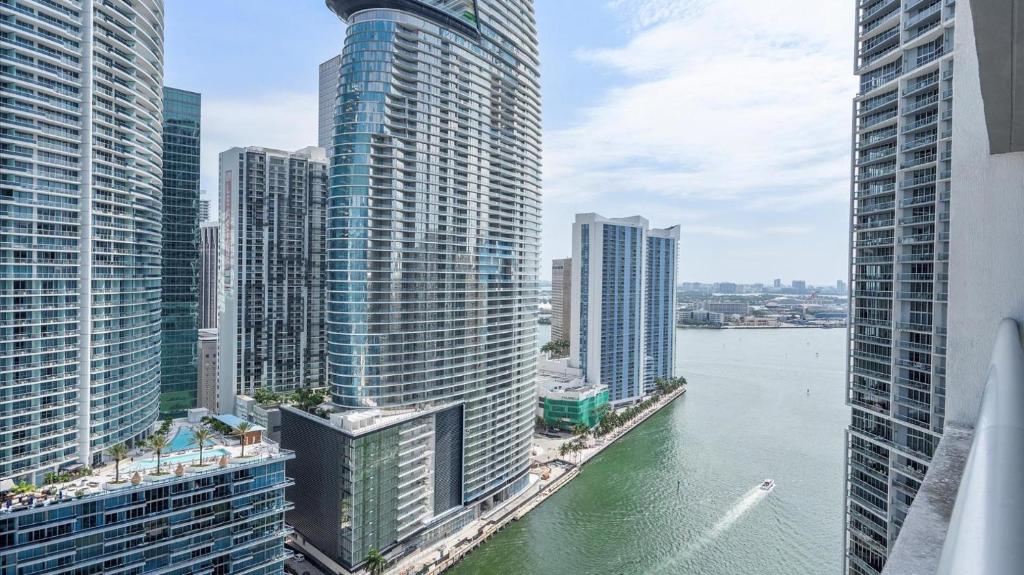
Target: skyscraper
660	268
623	303
270	329
561	299
898	267
204	208
328	99
209	276
80	217
434	245
180	252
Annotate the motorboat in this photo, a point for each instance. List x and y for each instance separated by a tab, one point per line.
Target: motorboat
768	485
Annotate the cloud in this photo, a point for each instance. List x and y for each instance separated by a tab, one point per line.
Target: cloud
721	100
282	120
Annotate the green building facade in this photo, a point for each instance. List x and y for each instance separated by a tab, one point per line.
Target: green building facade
567	409
179	387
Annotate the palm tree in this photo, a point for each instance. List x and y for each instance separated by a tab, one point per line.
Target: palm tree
563	450
375	562
580	430
241	429
158	443
201	435
118	453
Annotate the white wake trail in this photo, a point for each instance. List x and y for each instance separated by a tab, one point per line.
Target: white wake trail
742	506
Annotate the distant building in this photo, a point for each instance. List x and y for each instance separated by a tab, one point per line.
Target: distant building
700	317
725	288
727	307
800	286
271	331
179	278
209	276
840	287
207	372
777	283
330	76
204	210
561	297
623	303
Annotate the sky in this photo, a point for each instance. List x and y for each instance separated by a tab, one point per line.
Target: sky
730	118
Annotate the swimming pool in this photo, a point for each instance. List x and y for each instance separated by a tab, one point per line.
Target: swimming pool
184	439
209	456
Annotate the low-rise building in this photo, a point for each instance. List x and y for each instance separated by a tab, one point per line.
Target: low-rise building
226	515
267	416
565	399
374	479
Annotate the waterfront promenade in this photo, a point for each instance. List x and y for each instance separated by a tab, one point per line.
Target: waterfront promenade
445	554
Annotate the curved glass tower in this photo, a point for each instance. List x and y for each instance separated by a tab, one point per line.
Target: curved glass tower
80	228
434	223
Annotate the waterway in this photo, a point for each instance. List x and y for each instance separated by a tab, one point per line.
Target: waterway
678	495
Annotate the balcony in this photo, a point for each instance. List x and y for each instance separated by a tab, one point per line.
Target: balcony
968	515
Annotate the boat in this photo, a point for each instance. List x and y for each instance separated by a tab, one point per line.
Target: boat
768	485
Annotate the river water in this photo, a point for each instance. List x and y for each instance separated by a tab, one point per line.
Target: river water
678	495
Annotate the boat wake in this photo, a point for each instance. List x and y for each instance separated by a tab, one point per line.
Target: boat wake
744	504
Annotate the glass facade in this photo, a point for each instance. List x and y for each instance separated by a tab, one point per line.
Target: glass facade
899	266
180	263
222	521
660	304
80	217
271	327
624	303
434	223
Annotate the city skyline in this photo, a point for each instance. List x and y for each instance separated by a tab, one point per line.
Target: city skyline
776	216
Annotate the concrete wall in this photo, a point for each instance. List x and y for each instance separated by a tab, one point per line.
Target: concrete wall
987	234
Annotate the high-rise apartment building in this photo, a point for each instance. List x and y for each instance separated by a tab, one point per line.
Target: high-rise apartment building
328	99
204	208
180	252
271	324
207	369
623	303
434	253
209	276
660	268
902	155
80	218
561	299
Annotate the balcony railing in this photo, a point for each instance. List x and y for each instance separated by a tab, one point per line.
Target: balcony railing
988	516
982	466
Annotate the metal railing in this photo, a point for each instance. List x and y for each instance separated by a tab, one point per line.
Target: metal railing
988	516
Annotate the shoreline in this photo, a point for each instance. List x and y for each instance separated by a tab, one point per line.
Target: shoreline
516	508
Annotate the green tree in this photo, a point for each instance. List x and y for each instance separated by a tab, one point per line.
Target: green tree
558	348
240	430
200	436
375	562
580	430
307	399
157	444
117	452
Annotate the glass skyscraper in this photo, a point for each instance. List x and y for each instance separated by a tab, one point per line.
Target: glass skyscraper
434	222
623	303
180	263
80	217
899	266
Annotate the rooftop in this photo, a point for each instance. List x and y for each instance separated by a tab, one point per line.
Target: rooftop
179	459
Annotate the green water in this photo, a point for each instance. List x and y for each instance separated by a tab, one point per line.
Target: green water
678	494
